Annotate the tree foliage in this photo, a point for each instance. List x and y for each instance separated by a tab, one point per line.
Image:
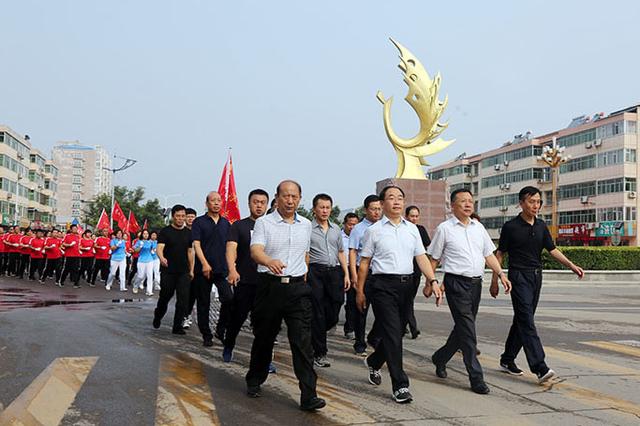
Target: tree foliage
129	200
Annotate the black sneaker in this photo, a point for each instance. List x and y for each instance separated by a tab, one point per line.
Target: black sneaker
178	331
544	376
76	286
375	378
441	369
511	368
207	342
480	388
156	323
313	404
253	391
402	396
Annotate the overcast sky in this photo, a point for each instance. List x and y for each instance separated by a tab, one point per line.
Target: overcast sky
291	85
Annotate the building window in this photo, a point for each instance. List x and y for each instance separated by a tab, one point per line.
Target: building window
580	163
610	185
578	190
577	138
629	155
577	216
610	213
630	213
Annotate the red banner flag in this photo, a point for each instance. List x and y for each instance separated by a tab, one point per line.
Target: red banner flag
227	190
146	225
118	216
134	227
103	222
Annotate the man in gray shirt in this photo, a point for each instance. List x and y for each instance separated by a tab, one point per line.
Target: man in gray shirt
328	276
280	246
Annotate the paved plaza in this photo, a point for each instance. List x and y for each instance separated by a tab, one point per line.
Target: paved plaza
84	357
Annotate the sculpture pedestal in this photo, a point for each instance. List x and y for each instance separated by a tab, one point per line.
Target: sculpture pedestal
429	195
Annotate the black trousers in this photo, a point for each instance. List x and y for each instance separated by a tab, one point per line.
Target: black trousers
202	297
171	284
53	265
4	262
86	265
225	295
276	301
525	294
25	259
244	297
71	267
463	298
100	266
388	296
327	294
410	317
360	320
192	297
349	309
133	269
37	265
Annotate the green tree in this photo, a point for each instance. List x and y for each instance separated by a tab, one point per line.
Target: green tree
129	200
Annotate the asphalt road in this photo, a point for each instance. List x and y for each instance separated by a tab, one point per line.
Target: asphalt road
87	356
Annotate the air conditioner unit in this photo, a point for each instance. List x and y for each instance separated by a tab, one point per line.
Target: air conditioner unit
504	208
588	145
497	167
501	186
507	186
632	195
506	163
9	196
598	142
20	156
584	199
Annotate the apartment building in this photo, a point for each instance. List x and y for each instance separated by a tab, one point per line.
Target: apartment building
83	176
28	182
597	186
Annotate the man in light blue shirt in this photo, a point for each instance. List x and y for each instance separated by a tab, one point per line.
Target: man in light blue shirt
348	223
373	211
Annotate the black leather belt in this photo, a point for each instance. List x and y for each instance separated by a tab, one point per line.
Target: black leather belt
464	278
282	279
322	267
395	277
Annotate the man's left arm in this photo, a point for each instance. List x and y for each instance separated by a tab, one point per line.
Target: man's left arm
560	257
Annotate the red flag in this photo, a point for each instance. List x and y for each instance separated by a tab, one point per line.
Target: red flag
103	222
118	215
227	190
146	225
134	227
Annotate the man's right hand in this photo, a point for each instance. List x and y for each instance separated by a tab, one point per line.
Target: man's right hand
494	289
206	270
361	301
233	278
164	262
276	266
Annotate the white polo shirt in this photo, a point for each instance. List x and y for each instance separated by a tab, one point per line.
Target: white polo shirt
461	249
392	247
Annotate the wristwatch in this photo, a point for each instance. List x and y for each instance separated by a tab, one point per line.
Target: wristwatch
434	280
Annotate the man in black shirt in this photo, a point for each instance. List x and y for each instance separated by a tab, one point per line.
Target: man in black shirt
176	268
209	235
243	274
412	214
524	237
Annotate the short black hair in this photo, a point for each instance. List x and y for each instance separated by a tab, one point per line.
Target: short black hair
408	210
370	199
350	215
258	192
528	191
178	207
324	197
86	232
289	181
72	225
459	191
388	187
190	210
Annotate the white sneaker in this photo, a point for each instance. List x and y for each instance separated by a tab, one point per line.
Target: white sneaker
156	287
108	287
149	294
135	290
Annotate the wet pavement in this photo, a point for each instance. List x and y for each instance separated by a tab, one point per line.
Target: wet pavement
87	356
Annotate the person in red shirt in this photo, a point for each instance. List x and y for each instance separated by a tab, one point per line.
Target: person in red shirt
102	250
54	256
13	247
86	256
37	255
25	252
71	244
3	252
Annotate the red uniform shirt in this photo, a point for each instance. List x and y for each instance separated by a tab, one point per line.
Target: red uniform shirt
2	240
25	247
72	251
37	248
14	239
134	253
102	248
86	243
53	252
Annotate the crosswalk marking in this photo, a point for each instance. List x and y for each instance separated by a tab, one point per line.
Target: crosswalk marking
184	397
615	347
590	362
46	400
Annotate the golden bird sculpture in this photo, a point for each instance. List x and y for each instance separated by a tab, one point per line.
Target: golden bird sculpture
423	98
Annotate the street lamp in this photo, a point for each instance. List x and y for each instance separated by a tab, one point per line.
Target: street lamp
554	156
128	162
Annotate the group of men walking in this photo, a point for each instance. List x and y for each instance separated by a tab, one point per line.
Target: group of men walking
282	267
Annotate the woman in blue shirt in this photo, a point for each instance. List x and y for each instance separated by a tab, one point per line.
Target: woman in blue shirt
118	262
156	260
144	247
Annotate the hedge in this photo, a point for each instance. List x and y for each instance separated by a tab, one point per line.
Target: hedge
596	258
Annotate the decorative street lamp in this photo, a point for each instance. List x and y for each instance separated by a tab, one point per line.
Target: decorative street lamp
554	156
128	162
